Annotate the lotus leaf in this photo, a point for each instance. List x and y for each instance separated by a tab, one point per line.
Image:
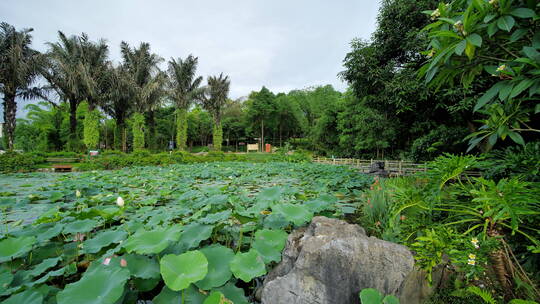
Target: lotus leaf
104	285
269	244
219	272
179	271
11	248
248	265
297	214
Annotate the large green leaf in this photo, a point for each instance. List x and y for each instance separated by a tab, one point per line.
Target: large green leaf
370	296
104	285
270	244
41	267
522	12
219	272
80	226
6	277
191	296
216	297
233	293
142	266
298	214
29	296
247	266
506	23
179	271
11	248
194	234
150	242
103	239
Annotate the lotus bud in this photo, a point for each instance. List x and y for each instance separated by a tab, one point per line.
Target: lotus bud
120	201
123	263
107	261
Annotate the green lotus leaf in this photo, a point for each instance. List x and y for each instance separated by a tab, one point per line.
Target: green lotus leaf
219	272
322	203
142	267
104	285
233	293
179	271
144	285
80	226
29	296
51	232
216	297
41	267
270	244
370	295
103	239
297	214
191	296
11	248
271	194
150	242
194	234
247	266
6	277
216	217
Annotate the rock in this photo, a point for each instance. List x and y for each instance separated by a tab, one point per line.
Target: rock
377	169
331	261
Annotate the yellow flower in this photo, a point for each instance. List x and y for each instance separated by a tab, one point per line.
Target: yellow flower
501	68
431	53
471	262
472	256
474	241
493	2
78	193
436	13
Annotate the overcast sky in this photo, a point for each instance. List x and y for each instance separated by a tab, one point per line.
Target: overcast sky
281	44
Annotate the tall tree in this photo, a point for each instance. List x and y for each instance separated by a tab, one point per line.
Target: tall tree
19	67
94	56
261	107
66	74
119	103
213	100
183	90
147	83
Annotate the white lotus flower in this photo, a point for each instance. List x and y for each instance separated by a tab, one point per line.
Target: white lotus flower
120	201
78	193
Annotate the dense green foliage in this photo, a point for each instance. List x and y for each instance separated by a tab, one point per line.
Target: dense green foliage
476	226
91	130
496	43
194	231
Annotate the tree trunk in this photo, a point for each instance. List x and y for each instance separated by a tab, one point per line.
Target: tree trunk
262	135
10	119
152	136
73	145
217	135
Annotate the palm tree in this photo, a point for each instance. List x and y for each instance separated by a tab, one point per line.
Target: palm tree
183	90
213	99
77	71
119	103
67	75
19	67
147	80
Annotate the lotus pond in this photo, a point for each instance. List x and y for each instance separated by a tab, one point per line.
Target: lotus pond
204	233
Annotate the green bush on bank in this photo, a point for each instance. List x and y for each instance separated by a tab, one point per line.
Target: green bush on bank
108	161
11	162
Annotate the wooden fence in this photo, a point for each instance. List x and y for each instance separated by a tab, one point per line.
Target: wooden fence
393	167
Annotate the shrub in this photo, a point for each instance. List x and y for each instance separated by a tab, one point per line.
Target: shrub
18	162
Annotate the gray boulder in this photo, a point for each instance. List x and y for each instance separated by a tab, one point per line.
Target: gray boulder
331	261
